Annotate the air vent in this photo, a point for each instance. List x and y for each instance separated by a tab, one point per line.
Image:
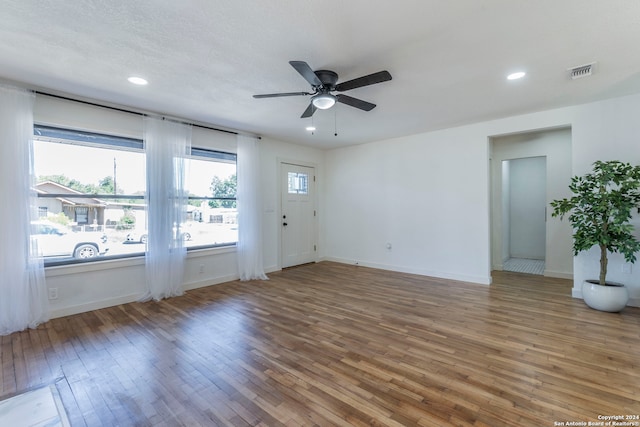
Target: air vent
581	71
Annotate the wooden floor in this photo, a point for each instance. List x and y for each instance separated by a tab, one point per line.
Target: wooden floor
329	345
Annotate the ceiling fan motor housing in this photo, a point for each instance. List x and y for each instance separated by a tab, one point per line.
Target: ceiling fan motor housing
328	78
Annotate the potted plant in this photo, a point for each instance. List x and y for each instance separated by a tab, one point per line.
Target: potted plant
600	212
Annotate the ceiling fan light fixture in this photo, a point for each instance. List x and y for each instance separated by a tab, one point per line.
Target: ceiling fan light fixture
323	101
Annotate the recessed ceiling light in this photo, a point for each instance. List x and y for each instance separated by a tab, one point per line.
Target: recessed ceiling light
137	81
310	128
516	76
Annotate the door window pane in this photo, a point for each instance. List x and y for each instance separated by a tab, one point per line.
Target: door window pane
298	183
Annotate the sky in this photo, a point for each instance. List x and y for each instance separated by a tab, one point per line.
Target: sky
89	165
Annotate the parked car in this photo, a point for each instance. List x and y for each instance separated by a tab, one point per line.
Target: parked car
141	237
136	237
56	240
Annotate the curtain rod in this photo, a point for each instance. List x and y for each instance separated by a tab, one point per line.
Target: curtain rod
123	110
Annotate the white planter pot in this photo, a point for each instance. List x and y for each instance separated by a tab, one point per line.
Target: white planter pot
612	298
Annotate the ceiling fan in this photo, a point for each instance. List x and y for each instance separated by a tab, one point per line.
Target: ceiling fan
323	82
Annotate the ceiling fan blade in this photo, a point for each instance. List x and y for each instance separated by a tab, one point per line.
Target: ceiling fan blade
309	111
306	72
355	102
276	95
371	79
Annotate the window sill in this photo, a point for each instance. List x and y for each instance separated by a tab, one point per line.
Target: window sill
109	264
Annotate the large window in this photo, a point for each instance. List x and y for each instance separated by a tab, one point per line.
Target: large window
91	191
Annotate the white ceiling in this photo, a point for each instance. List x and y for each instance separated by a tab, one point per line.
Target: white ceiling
205	59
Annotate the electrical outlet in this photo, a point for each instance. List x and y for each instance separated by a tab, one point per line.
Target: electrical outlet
201	270
53	293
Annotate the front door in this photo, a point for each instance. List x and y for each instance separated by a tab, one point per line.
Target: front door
298	221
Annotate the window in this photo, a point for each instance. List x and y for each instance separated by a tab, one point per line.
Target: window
82	215
212	215
92	186
91	190
298	183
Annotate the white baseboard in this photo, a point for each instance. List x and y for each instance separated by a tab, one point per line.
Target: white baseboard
209	282
558	274
430	273
272	269
222	279
94	305
111	302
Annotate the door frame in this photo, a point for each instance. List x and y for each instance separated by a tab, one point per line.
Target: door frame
279	162
556	144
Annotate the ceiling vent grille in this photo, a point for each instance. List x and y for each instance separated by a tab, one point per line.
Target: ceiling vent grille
581	71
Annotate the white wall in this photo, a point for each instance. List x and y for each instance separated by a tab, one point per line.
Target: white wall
555	145
428	194
273	152
83	287
608	130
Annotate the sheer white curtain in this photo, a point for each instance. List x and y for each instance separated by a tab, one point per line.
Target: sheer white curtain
250	263
23	293
167	144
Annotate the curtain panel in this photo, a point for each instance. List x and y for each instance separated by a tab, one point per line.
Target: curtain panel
167	145
23	293
249	253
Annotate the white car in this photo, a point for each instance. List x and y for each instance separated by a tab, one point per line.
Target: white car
55	240
141	237
136	237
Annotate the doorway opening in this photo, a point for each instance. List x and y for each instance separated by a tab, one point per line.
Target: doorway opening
528	171
524	184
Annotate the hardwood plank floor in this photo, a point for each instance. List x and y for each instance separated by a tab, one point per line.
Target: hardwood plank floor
330	344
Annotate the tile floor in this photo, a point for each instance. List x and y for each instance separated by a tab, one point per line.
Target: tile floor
521	265
36	408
